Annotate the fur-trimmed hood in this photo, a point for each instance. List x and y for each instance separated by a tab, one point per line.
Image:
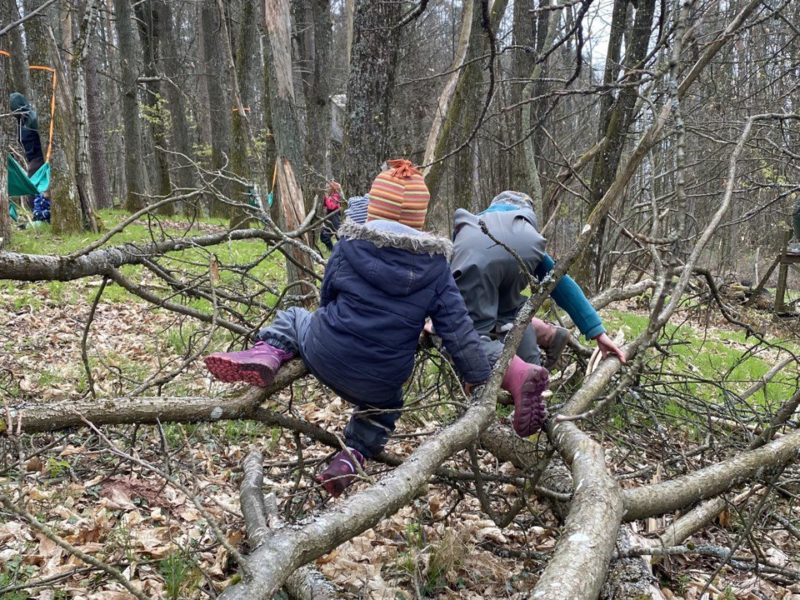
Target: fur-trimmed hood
398	260
388	234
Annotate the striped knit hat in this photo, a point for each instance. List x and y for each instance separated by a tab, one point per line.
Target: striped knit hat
399	194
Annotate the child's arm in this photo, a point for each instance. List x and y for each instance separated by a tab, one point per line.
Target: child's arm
452	323
569	296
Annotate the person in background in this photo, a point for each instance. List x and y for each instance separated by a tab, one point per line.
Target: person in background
27	131
381	282
332	201
491	282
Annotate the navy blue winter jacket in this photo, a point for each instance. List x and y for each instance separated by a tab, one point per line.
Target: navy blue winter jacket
381	281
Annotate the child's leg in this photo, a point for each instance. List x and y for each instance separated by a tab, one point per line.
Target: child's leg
370	426
526	382
365	436
552	339
257	366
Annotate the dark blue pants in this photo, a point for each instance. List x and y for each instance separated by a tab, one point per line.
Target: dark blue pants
329	228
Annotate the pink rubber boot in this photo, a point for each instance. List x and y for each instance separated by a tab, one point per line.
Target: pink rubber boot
256	366
526	383
341	471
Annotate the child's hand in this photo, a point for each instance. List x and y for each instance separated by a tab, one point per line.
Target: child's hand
607	346
428	327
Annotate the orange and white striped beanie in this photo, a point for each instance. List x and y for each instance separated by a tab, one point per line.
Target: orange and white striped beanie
399	194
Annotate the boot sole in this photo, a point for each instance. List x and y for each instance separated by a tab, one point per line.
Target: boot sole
229	371
530	410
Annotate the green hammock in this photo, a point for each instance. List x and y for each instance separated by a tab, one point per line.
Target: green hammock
19	184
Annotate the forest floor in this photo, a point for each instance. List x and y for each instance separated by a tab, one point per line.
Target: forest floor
439	546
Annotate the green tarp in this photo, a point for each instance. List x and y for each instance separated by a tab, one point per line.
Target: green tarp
19	184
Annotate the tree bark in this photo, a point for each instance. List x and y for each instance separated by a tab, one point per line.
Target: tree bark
98	142
149	411
147	18
461	114
173	91
44	267
83	178
369	92
5	219
616	116
219	100
278	557
318	46
286	128
18	61
306	583
135	188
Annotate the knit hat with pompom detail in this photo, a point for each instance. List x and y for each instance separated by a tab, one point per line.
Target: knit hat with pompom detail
399	194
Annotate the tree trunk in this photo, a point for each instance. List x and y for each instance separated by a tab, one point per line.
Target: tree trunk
83	178
616	116
98	142
369	91
66	214
219	100
5	219
147	15
462	114
19	74
172	65
286	129
135	188
241	151
318	47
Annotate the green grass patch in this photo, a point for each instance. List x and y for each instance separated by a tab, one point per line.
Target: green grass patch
705	364
189	265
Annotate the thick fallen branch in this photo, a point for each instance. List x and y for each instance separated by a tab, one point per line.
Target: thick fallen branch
710	481
292	547
580	561
306	583
45	267
56	416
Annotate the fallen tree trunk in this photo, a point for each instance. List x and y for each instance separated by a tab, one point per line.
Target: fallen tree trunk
45	267
294	546
580	561
710	481
33	418
306	583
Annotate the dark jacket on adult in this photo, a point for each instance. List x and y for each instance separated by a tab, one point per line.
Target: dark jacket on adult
381	282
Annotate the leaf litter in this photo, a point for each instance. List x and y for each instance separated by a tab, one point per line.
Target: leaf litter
442	545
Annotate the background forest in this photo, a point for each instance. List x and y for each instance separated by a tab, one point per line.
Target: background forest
191	144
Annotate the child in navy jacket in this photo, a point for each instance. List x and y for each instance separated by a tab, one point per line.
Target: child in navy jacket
381	282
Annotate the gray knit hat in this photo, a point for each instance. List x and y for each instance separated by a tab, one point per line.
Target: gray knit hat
519	199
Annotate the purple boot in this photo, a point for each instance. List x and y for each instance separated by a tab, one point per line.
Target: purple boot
526	383
341	471
256	366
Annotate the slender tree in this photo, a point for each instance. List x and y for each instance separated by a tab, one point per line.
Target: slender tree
147	16
219	98
136	187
